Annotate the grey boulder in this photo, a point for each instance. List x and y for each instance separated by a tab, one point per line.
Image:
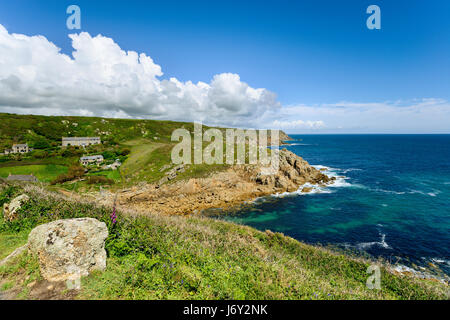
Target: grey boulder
69	249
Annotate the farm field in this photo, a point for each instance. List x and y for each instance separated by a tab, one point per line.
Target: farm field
44	172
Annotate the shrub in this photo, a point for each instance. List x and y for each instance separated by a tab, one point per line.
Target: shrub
40	154
71	152
99	180
125	152
40	143
75	171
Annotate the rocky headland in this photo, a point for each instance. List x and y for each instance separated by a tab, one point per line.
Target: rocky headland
226	189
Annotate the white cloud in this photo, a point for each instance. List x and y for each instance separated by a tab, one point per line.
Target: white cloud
103	80
413	116
298	124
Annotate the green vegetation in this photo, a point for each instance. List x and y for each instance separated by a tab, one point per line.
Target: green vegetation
172	257
42	132
99	180
143	146
44	173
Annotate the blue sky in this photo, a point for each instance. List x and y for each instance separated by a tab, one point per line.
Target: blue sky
314	54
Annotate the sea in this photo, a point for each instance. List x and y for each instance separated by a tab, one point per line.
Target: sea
391	199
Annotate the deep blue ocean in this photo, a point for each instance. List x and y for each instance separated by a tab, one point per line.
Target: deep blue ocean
392	198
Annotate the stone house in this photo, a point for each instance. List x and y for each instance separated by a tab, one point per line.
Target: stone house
80	141
19	148
87	160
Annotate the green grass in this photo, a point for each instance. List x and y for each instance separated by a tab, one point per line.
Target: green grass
44	173
34	128
142	162
31	162
173	257
148	140
9	241
110	174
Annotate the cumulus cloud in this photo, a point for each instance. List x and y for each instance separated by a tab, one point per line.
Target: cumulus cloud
101	79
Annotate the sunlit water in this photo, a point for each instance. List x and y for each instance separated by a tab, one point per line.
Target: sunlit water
392	200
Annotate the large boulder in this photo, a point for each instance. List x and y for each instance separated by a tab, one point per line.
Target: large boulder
10	210
69	249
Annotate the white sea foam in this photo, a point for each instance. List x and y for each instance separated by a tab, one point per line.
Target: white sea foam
341	181
351	169
421	274
315	189
388	191
402	268
431	194
440	261
382	243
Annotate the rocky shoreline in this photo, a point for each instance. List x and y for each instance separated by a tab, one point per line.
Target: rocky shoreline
227	189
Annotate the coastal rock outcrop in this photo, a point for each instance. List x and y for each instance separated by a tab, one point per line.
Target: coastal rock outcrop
10	210
234	186
293	171
69	249
172	174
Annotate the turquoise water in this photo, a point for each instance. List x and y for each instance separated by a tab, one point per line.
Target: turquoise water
392	200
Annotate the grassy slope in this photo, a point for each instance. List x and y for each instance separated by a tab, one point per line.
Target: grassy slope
30	128
45	173
164	257
148	140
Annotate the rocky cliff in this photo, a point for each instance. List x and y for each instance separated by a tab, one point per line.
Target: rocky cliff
221	190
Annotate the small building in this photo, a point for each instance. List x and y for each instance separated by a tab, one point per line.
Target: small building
19	148
27	178
80	141
87	160
113	166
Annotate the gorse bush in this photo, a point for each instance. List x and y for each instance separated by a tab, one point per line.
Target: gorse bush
75	171
6	193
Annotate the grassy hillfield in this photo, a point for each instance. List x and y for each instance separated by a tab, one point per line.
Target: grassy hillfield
143	146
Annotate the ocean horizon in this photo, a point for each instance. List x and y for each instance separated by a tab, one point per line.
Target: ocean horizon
391	198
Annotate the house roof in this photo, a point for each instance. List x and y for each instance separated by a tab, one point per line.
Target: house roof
21	178
92	157
20	145
79	138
